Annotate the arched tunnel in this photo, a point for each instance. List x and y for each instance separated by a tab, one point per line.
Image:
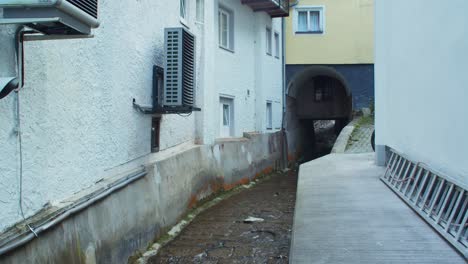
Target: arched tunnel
314	94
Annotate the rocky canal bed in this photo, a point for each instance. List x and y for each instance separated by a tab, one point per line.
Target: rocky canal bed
253	226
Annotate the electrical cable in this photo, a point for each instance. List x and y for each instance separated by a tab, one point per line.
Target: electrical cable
20	62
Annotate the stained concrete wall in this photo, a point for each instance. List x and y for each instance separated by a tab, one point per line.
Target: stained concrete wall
295	133
421	82
115	228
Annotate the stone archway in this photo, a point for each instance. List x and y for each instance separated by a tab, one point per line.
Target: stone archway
315	93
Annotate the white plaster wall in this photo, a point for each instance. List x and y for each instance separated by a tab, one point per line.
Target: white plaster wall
248	74
269	74
235	71
76	106
421	81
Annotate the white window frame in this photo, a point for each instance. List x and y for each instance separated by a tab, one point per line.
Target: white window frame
200	12
308	9
268	42
269	115
229	100
183	6
276	38
230	29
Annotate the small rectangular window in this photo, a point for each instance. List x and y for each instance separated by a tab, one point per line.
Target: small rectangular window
309	20
200	11
323	89
302	21
226	29
277	45
269	116
183	9
227	117
156	123
268	41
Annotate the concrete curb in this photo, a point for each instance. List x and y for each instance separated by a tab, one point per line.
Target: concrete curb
342	140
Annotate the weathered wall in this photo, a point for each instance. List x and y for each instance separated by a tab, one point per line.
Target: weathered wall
115	228
348	36
76	107
295	132
421	82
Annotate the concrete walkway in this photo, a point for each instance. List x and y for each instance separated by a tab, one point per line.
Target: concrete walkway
345	214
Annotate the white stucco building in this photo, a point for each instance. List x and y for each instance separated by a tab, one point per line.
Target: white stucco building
421	82
421	114
78	124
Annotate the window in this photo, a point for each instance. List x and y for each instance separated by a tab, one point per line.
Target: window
277	45
156	123
226	29
324	89
227	117
200	11
183	10
268	41
269	116
309	20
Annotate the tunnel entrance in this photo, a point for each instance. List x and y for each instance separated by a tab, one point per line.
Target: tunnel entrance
319	104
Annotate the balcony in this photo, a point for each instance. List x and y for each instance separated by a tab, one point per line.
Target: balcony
275	8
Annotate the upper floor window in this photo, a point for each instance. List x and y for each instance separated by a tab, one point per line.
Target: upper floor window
200	11
183	10
309	20
226	29
268	41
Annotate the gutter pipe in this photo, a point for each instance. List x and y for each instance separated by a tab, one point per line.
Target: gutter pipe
17	241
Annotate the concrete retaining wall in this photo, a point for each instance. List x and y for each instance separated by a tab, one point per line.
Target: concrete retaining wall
112	230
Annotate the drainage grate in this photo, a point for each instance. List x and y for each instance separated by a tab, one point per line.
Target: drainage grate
440	201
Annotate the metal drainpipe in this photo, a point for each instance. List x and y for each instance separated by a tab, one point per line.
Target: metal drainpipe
283	124
19	241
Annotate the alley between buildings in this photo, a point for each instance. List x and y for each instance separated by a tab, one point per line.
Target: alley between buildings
223	233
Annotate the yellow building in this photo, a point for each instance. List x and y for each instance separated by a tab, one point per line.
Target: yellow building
344	33
336	34
329	55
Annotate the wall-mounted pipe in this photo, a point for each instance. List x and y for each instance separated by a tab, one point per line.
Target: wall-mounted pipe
8	85
20	241
283	121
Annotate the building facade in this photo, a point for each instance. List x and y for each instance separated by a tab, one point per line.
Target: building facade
421	128
329	63
335	34
81	134
413	115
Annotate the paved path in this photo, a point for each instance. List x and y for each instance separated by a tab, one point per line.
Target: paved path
345	214
360	140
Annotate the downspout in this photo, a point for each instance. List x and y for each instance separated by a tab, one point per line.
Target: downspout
283	121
